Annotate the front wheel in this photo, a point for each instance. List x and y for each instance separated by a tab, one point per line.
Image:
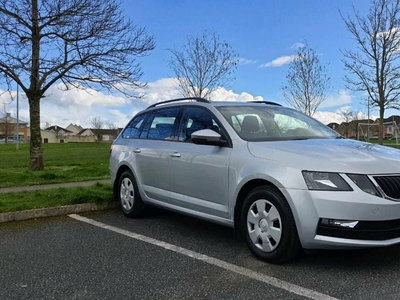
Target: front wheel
269	227
128	196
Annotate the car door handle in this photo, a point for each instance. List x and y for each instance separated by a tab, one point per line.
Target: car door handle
137	150
175	154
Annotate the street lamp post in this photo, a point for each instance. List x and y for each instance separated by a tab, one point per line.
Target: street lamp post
17	128
368	122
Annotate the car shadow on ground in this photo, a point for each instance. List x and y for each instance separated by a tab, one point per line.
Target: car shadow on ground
190	231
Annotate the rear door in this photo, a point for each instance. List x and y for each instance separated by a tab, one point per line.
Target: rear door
151	153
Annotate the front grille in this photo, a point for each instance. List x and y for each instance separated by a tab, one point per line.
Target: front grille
390	185
364	230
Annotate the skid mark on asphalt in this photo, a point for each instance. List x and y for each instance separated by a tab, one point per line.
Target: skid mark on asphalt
287	286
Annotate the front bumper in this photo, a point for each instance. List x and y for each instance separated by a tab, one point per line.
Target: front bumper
378	219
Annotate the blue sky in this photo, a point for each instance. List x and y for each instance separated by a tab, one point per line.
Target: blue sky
261	32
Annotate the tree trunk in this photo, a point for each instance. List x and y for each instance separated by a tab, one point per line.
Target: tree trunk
36	151
34	95
380	133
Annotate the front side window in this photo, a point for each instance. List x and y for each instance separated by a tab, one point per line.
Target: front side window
196	118
266	123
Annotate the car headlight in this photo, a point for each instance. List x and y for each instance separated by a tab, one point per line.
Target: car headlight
363	182
324	181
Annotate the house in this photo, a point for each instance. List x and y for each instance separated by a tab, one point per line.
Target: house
390	125
104	135
75	129
58	134
356	129
333	125
8	126
347	129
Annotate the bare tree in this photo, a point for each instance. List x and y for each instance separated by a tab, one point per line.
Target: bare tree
97	124
307	81
111	125
46	125
74	43
374	67
203	64
349	117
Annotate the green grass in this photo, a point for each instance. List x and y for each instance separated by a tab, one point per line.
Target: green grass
386	142
98	193
63	163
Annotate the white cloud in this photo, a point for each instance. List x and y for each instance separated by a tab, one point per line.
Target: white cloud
279	62
342	97
82	98
328	117
337	116
297	46
222	94
245	61
160	90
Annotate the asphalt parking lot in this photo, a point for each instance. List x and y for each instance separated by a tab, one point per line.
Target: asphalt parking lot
104	255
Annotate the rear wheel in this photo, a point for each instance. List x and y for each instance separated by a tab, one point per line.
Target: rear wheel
269	227
128	196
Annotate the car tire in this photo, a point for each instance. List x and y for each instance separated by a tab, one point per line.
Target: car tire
128	196
268	226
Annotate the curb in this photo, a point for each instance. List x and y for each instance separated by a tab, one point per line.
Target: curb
54	211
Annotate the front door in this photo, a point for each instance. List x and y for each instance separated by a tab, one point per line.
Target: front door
199	173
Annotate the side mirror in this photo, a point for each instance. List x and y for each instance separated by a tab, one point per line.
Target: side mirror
208	137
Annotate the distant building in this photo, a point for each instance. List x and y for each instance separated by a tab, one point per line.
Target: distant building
8	127
390	125
59	134
333	125
75	129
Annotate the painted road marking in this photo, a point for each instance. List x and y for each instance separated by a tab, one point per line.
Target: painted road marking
287	286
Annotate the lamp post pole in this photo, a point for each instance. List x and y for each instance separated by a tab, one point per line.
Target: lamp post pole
368	122
17	128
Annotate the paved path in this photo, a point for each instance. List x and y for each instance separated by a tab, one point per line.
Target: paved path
51	186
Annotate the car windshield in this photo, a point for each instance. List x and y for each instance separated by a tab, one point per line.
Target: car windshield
272	123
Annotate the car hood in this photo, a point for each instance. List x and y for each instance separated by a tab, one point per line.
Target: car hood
333	155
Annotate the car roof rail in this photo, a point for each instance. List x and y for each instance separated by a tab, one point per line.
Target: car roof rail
196	99
265	102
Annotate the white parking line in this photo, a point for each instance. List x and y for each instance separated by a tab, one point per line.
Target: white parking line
292	288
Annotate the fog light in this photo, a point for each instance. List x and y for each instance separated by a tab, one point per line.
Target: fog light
339	223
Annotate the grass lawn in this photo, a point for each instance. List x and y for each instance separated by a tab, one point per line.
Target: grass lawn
98	193
67	162
390	143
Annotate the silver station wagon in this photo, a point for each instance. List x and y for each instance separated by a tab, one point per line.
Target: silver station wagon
283	180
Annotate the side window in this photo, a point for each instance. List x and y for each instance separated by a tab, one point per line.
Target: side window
196	118
132	130
162	125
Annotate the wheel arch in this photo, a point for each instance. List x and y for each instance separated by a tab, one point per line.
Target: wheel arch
121	170
244	191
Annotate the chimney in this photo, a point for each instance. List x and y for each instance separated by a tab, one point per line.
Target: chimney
8	115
